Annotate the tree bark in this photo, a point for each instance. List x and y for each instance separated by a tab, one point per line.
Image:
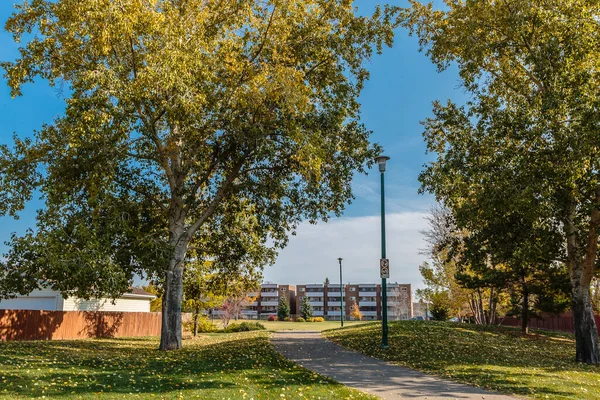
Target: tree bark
582	264
196	316
171	331
525	309
586	332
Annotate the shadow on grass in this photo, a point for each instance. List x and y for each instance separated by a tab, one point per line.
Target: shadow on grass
123	366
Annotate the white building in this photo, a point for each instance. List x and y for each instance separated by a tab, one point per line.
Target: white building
136	300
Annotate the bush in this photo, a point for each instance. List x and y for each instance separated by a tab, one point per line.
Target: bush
245	327
272	318
300	319
205	325
318	319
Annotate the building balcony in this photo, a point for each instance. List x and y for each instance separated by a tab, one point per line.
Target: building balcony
367	294
249	312
313	294
269	294
369	313
367	304
253	304
316	303
269	303
252	294
318	313
334	313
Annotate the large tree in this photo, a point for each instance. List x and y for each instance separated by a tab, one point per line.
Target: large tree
181	117
532	69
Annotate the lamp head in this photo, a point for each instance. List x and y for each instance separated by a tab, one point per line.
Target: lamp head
340	259
381	161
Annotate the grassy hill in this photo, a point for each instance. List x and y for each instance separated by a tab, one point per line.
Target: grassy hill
539	365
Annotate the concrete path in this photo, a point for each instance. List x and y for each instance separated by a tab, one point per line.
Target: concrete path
368	374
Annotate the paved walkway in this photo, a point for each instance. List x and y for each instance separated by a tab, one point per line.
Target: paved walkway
368	374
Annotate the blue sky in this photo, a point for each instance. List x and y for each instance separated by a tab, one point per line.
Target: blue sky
398	96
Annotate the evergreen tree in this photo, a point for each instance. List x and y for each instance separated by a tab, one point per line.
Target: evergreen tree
326	281
283	309
306	309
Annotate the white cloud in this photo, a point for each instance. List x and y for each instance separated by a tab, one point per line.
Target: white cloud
312	254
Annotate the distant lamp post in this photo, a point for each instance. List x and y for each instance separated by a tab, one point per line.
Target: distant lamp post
384	265
341	294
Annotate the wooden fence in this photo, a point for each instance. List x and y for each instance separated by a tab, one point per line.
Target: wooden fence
562	322
53	325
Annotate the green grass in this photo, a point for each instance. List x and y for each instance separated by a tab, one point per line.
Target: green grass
306	326
214	366
538	366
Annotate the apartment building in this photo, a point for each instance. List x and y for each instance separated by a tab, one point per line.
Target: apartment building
265	301
327	301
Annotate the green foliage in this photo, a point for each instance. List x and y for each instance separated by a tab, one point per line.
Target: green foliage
300	319
496	358
440	306
244	327
214	367
283	309
518	163
221	142
306	309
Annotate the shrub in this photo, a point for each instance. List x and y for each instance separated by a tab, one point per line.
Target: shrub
318	319
300	319
245	327
205	325
272	318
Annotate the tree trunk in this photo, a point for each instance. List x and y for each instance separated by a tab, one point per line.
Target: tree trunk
586	331
525	309
582	262
196	316
171	330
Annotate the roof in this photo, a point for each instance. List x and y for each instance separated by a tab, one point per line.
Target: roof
139	293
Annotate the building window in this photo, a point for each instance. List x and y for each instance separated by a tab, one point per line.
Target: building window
282	289
404	288
302	289
353	289
352	298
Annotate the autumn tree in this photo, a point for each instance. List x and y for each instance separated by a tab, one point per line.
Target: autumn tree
181	117
156	304
532	70
355	312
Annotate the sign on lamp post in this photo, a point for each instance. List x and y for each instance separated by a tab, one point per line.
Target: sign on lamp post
384	264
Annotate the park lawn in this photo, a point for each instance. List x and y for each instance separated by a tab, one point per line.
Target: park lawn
538	366
306	326
214	366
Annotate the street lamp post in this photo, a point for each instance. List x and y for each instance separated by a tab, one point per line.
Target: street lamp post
341	294
381	161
